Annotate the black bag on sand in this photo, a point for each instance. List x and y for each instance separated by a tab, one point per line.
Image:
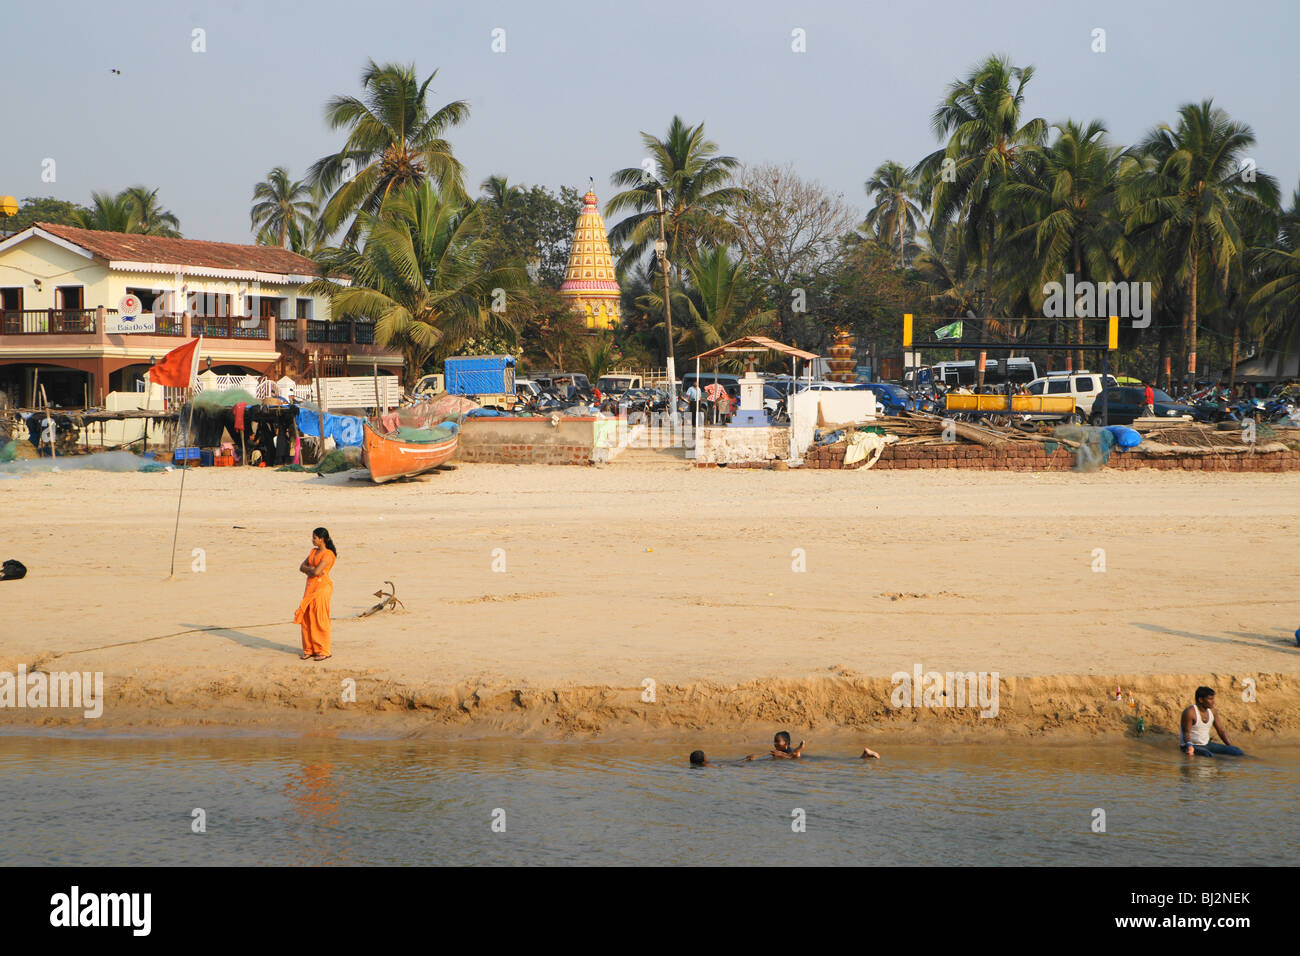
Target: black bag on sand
12	570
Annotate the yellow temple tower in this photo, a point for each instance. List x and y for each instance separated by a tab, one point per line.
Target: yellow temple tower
589	281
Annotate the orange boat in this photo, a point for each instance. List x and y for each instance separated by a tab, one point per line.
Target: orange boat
391	457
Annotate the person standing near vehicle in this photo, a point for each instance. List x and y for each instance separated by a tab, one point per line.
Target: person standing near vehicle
1148	401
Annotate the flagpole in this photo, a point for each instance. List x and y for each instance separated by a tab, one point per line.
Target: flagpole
185	461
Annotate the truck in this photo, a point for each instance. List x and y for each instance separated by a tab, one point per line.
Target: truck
488	379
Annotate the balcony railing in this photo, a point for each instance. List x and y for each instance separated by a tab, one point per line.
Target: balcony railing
47	322
227	327
344	331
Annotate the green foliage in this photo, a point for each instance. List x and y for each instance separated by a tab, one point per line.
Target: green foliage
45	209
420	276
393	140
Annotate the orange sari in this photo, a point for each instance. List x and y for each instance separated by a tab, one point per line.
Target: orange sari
314	611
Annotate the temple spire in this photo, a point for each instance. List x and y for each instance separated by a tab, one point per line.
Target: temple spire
589	281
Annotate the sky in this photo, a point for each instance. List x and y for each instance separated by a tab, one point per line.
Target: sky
578	82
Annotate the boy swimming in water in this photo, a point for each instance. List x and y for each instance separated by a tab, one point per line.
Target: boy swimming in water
781	749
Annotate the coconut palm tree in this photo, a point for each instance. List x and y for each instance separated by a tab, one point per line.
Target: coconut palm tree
896	213
282	204
1069	191
988	140
719	303
1277	295
110	213
151	218
394	138
419	276
697	192
1194	195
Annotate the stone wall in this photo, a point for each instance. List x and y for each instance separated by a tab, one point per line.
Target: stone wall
719	444
527	441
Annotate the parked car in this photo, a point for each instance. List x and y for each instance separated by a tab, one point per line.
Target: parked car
1083	386
617	384
1124	404
893	398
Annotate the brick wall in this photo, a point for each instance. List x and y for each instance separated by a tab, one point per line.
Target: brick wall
527	441
1024	457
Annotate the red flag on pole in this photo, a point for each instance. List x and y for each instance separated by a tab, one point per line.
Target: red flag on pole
179	368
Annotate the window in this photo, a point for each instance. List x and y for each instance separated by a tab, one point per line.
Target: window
11	299
304	308
1060	386
1036	388
208	304
147	297
68	297
1084	384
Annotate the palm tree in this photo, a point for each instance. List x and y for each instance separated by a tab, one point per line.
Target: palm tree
281	205
1070	193
895	212
393	139
1278	293
419	276
597	356
1194	198
151	218
948	273
719	303
109	213
988	142
697	192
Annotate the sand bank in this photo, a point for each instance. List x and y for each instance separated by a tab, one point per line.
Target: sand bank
748	598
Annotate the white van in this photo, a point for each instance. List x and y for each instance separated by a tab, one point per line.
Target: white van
1083	385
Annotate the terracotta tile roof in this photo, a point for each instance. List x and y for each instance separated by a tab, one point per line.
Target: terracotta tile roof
125	247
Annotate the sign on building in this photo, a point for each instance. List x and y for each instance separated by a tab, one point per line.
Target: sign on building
130	317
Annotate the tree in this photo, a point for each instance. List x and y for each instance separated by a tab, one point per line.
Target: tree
110	213
419	276
697	194
281	205
987	142
1193	196
718	304
1277	296
895	214
151	218
393	140
60	212
789	230
1069	193
531	227
598	355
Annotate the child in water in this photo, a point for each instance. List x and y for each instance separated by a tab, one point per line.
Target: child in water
781	750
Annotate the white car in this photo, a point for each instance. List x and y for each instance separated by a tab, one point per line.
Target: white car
1084	386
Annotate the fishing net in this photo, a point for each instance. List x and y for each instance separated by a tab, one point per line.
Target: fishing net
340	459
101	461
9	451
207	400
1094	445
424	436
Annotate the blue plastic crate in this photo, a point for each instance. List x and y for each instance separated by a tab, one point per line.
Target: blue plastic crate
185	454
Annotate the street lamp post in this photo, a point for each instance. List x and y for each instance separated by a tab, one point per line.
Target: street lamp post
661	253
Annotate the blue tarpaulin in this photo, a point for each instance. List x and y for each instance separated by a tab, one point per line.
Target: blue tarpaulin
344	429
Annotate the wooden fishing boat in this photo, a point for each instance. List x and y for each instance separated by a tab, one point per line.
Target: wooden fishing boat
388	458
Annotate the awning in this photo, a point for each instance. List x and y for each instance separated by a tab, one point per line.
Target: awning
757	343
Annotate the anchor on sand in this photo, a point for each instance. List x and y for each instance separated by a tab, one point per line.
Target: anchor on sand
389	602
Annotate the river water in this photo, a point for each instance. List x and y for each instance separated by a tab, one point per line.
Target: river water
131	801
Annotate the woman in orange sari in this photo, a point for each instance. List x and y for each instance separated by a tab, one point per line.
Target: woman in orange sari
314	611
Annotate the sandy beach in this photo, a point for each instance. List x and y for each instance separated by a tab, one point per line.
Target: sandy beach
619	575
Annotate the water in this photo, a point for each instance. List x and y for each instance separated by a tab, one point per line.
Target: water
284	801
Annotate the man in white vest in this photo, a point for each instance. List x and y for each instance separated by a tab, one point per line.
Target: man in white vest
1197	721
